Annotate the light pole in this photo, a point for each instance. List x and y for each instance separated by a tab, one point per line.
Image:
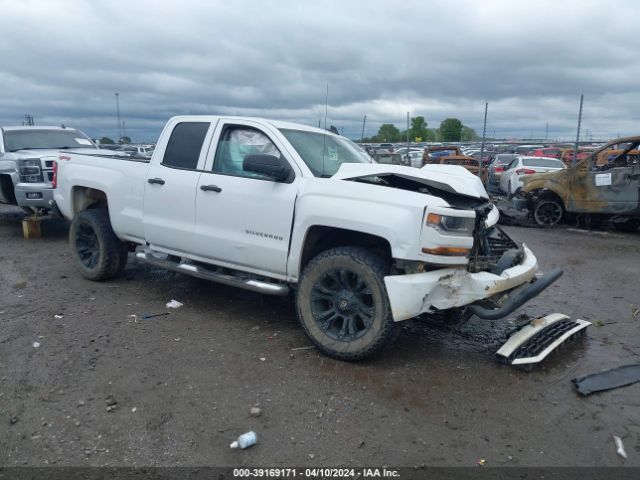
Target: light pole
118	114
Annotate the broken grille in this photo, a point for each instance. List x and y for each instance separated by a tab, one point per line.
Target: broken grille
490	244
541	340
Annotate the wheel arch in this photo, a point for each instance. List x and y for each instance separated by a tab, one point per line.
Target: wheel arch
319	238
83	198
545	194
7	191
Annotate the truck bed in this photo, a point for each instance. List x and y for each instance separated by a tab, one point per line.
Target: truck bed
122	179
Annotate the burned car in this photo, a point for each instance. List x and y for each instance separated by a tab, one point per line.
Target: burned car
606	185
452	155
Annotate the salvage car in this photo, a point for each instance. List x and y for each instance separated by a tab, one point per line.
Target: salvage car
606	183
511	178
281	208
27	154
496	167
451	155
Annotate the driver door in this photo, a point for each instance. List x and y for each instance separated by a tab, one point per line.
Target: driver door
244	219
612	189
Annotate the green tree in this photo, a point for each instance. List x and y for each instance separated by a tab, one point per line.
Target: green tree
418	130
469	134
106	141
388	133
451	130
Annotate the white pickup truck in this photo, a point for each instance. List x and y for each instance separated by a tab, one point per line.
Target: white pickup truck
282	208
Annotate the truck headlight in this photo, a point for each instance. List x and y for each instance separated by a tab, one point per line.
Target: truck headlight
30	170
450	225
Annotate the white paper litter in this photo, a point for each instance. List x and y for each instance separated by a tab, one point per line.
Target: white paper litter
620	446
174	304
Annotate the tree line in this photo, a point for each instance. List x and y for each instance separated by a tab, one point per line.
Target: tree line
450	130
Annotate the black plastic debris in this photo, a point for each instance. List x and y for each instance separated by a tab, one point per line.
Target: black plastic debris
614	378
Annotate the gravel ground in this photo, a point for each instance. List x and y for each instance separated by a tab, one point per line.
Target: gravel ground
185	382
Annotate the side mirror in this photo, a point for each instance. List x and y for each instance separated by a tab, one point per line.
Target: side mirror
274	167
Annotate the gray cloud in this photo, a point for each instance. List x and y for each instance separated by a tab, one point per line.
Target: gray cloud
62	62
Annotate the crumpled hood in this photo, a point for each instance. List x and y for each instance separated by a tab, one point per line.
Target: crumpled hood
457	178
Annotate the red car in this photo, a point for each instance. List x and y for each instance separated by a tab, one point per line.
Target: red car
546	152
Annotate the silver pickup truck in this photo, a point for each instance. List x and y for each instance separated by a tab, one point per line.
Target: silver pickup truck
27	154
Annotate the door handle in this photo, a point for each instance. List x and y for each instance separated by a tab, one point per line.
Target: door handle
210	188
158	181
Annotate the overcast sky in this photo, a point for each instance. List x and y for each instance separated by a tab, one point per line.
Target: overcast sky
62	61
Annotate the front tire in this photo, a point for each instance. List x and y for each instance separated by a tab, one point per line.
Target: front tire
547	212
98	253
342	303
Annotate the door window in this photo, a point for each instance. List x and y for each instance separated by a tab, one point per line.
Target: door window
235	144
185	144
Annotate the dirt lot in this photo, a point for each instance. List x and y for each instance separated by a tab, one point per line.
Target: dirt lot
184	382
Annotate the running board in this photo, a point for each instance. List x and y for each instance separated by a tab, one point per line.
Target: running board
536	340
194	270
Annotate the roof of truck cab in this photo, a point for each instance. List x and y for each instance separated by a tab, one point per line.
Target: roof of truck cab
275	123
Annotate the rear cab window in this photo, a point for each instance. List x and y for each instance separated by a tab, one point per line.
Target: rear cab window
185	144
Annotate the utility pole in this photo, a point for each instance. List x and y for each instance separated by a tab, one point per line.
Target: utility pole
364	121
28	120
118	115
546	131
575	150
124	130
408	133
326	106
484	132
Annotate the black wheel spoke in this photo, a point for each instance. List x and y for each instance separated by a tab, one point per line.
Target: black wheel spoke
360	286
345	281
87	246
94	259
352	327
324	290
327	320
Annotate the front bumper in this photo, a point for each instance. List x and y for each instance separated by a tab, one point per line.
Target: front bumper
413	294
25	193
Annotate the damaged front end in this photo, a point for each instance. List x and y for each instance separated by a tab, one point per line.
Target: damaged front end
495	252
500	276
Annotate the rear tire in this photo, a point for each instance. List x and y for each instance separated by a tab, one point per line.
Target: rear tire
342	303
98	253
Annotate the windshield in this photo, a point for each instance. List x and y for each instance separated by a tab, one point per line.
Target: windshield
44	139
324	153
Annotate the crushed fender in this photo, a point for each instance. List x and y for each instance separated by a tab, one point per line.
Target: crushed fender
607	380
